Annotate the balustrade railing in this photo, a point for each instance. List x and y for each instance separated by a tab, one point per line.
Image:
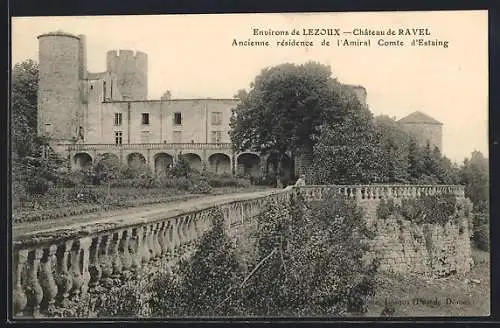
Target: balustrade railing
377	192
155	146
53	268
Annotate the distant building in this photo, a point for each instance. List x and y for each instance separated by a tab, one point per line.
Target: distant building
424	129
90	115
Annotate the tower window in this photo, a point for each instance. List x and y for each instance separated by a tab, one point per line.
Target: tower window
216	118
145	118
118	137
177	119
118	118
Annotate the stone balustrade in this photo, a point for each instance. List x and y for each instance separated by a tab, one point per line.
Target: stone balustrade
377	192
55	267
151	146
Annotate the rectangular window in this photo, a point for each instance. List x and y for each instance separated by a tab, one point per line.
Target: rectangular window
118	119
145	118
118	137
216	118
104	95
177	137
177	119
216	136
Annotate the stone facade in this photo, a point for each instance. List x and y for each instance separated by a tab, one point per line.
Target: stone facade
90	114
424	129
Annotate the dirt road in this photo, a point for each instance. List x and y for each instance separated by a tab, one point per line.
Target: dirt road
130	215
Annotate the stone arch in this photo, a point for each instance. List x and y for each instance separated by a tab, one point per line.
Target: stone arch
82	161
219	163
194	161
248	164
136	160
162	162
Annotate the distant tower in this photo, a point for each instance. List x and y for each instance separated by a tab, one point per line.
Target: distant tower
424	129
131	71
61	68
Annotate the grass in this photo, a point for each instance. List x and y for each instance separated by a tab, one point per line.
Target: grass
414	296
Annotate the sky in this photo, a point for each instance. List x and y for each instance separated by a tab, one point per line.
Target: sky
193	56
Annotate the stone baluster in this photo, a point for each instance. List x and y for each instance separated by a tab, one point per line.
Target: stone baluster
85	253
35	291
358	194
146	253
388	192
162	238
176	238
368	194
79	267
135	249
95	265
125	257
115	254
183	235
64	278
105	260
169	246
19	298
47	277
155	244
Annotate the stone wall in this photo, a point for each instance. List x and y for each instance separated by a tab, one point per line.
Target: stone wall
438	250
53	269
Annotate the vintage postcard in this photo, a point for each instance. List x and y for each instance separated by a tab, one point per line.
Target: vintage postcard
292	165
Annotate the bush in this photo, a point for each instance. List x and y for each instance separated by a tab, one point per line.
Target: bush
433	209
385	209
37	185
202	187
312	247
204	281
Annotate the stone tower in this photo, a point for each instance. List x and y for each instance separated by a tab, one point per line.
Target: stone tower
424	129
131	71
61	69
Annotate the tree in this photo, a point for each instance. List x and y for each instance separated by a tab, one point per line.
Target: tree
393	144
347	153
475	176
286	107
24	107
241	94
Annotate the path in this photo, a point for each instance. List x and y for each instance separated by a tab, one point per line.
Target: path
169	209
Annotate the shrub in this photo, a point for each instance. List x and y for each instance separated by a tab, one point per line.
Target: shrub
433	209
38	185
202	187
180	168
385	209
312	247
204	281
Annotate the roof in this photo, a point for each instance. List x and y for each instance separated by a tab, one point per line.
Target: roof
419	117
59	33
